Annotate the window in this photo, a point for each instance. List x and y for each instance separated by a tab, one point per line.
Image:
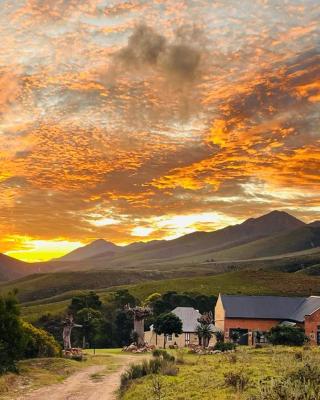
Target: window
169	338
187	335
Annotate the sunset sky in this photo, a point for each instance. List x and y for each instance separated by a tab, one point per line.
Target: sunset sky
139	120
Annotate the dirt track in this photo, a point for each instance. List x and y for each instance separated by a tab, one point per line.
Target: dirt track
83	386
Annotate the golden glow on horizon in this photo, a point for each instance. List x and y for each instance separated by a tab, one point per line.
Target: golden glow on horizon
33	250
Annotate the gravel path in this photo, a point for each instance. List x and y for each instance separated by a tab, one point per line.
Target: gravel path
83	386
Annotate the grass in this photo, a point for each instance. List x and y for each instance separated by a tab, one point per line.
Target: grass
239	282
250	282
223	377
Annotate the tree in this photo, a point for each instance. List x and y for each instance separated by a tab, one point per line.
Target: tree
152	298
287	335
204	329
12	335
139	314
123	298
204	333
167	324
91	320
86	300
123	328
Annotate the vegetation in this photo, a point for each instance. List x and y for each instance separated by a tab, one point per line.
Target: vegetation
19	339
162	362
204	329
287	335
167	324
12	335
272	373
224	346
39	343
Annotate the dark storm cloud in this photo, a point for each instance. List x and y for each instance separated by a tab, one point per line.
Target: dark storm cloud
179	59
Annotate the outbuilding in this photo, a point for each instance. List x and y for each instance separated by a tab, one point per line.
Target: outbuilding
250	317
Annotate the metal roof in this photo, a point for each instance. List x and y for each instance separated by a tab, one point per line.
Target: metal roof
263	307
189	317
309	306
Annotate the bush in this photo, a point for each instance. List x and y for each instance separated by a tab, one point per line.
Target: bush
287	335
238	380
163	354
162	362
39	343
224	346
12	337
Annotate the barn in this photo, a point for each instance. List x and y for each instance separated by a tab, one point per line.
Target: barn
250	317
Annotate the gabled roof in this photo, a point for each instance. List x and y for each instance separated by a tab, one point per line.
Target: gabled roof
263	307
308	307
189	317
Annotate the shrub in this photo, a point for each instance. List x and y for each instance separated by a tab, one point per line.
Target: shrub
224	346
39	343
287	335
219	336
12	337
237	380
162	362
163	354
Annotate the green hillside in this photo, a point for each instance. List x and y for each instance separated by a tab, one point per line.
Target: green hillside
240	282
307	237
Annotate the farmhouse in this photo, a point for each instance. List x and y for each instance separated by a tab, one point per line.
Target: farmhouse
250	317
189	317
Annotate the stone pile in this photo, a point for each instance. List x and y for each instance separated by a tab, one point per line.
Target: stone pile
195	349
73	354
132	348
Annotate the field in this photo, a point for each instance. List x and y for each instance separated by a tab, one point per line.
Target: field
254	282
206	377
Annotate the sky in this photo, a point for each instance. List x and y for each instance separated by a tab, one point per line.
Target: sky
139	120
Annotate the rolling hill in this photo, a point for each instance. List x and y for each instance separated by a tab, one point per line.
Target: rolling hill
304	238
256	237
187	246
10	268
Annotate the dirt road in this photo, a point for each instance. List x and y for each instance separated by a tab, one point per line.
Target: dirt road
88	384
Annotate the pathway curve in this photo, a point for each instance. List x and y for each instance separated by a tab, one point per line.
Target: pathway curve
82	386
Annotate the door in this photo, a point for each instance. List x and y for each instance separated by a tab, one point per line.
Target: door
318	336
239	336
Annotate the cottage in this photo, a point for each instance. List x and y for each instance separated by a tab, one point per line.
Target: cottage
189	317
250	317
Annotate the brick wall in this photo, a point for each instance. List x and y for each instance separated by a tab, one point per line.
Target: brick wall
311	326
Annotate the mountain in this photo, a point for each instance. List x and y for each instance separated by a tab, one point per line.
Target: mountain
161	255
293	241
92	249
10	268
190	247
315	223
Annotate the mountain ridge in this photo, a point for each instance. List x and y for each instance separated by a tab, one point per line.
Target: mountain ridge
101	254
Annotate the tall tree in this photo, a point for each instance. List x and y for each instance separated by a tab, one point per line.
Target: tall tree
167	324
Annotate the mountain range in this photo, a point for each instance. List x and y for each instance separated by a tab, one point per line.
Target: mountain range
274	234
